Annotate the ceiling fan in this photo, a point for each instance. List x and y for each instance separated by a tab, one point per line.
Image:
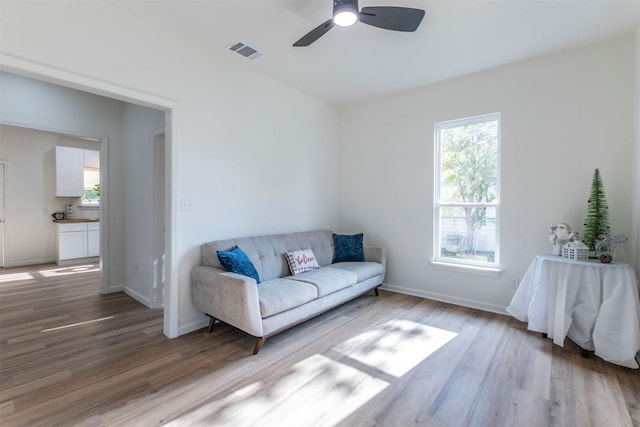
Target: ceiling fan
345	13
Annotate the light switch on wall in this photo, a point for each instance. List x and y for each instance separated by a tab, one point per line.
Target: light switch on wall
186	205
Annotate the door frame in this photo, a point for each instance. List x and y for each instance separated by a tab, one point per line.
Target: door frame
22	67
158	254
3	209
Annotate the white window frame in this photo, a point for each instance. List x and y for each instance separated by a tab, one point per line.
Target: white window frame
489	268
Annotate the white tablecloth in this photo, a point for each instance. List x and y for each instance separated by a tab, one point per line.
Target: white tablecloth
596	305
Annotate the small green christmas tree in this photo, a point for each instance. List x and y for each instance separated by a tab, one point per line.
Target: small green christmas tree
596	224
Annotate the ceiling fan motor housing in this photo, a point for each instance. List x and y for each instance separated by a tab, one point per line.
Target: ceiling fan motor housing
345	6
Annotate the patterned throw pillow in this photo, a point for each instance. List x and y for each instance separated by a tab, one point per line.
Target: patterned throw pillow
236	261
348	248
301	261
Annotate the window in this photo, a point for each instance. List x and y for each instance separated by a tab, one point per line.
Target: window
91	182
91	179
467	191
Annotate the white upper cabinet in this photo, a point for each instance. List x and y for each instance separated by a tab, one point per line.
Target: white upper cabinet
69	171
70	165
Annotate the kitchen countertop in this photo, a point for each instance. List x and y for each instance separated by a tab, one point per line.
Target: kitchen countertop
74	220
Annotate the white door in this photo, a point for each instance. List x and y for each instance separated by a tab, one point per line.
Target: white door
2	215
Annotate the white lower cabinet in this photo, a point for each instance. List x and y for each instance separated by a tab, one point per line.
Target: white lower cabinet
93	239
78	240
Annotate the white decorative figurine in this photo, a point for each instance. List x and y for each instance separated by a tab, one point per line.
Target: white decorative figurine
560	235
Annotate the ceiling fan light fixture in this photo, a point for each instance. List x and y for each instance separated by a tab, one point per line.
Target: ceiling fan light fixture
345	12
345	18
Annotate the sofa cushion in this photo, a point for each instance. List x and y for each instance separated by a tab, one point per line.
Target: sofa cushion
236	261
266	252
278	295
364	270
348	248
327	279
301	261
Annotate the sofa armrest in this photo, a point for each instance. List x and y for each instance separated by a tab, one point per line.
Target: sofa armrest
229	297
373	254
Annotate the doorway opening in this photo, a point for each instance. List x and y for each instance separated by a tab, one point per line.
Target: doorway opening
42	189
163	254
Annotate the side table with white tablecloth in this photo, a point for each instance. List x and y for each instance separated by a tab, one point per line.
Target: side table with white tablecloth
596	305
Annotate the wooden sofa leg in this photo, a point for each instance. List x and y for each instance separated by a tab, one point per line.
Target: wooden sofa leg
212	322
258	346
376	291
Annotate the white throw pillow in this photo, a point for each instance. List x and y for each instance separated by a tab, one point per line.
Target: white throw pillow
301	261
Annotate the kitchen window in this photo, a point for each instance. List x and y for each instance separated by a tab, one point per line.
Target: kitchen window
91	183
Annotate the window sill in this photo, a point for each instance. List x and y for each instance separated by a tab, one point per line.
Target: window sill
89	207
469	269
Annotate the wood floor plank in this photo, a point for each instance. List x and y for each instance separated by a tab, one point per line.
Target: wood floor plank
510	368
16	391
6	408
72	357
630	387
527	409
457	398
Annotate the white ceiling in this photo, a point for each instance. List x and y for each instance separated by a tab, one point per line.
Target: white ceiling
350	64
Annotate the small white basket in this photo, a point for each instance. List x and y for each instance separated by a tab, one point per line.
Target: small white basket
575	250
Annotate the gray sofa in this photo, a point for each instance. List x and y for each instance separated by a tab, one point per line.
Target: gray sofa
280	301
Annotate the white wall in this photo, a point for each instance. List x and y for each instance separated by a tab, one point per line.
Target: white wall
634	241
562	116
251	154
34	104
140	124
30	193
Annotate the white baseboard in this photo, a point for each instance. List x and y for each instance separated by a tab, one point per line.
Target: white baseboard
78	261
138	297
464	302
25	263
193	326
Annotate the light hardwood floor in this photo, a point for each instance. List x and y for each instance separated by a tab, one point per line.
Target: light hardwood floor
70	356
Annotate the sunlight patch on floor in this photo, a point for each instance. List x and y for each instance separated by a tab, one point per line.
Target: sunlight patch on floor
14	277
76	269
397	346
72	325
317	388
325	389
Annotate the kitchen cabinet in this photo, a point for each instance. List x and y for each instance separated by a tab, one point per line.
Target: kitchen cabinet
70	165
69	171
78	240
93	239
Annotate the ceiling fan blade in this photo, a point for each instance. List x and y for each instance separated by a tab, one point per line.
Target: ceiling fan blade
392	18
315	34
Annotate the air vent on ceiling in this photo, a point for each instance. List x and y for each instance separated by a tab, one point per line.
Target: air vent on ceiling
245	50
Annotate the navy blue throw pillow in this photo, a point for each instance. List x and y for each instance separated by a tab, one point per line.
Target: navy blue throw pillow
348	248
236	261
